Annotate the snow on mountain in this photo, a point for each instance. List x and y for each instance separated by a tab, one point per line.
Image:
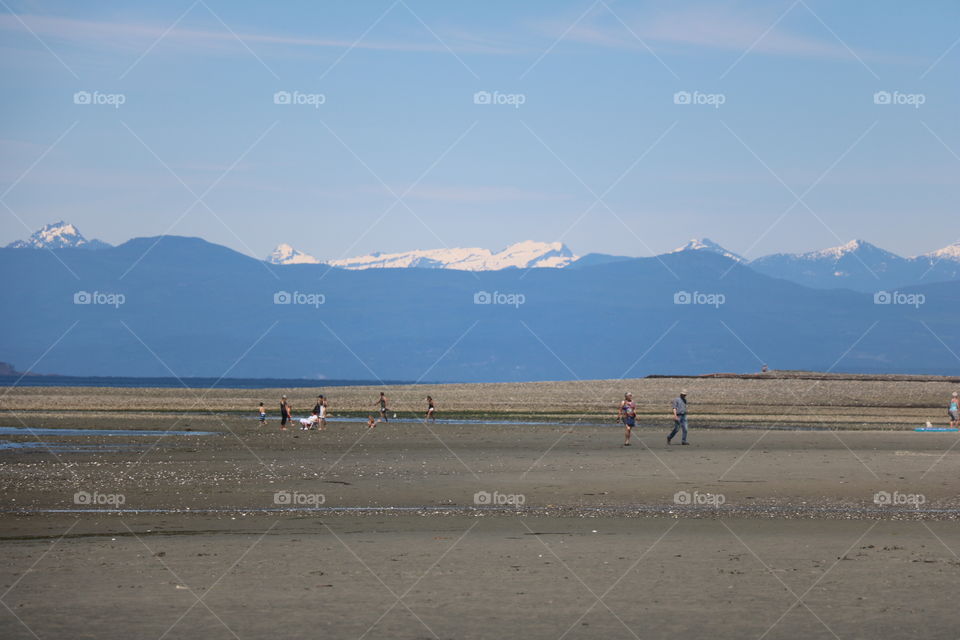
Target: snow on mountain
950	252
522	255
855	265
706	244
859	250
854	246
285	254
57	235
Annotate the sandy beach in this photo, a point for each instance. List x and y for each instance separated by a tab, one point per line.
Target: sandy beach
466	530
778	399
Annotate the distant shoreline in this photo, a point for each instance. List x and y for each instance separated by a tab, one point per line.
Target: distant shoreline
208	382
815	375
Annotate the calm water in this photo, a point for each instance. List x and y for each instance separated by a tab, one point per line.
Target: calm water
11	431
179	383
72	447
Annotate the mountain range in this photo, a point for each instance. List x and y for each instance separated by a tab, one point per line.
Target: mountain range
856	265
522	255
862	266
181	306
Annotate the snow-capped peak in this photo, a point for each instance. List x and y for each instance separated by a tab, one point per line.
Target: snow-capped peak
706	244
853	246
57	235
285	254
521	255
950	252
837	252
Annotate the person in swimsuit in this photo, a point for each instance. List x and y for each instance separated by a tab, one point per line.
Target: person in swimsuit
371	423
263	415
954	411
382	403
284	413
316	407
431	410
322	412
628	416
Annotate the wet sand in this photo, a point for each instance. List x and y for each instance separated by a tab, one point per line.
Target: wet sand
475	531
483	577
438	466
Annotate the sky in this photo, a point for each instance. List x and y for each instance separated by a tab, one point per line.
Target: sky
344	128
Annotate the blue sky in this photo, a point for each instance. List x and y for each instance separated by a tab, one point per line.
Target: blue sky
399	156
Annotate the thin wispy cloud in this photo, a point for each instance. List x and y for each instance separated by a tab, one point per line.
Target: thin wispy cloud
708	27
134	36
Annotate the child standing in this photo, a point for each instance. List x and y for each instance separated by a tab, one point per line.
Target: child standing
323	413
263	415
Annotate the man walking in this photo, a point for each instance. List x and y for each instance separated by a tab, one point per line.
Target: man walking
284	413
679	406
382	403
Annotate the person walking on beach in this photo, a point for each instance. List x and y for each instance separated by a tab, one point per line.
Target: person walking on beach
263	415
382	403
284	413
954	411
679	406
627	414
322	412
320	409
431	410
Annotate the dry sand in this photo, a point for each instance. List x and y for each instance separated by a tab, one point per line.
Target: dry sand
398	547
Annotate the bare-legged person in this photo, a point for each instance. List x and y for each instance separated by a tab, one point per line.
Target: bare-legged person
628	416
382	405
284	413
